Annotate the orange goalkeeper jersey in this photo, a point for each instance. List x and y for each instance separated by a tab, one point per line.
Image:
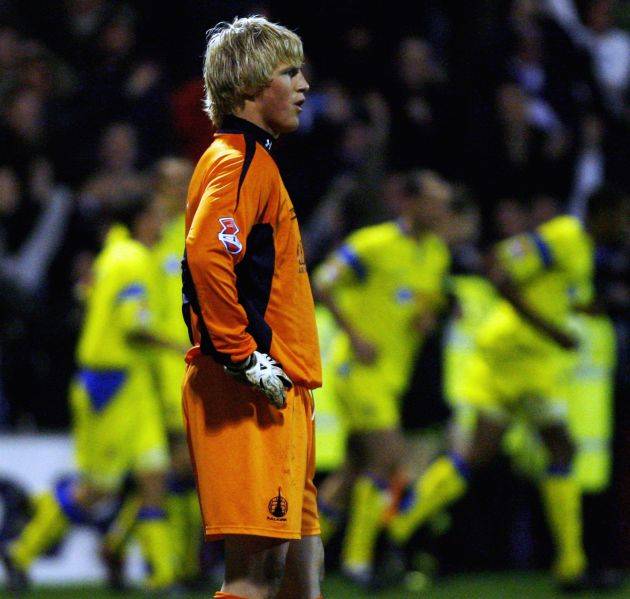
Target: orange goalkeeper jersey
244	276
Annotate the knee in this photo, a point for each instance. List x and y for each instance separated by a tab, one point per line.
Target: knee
561	448
152	488
180	457
563	451
272	573
320	563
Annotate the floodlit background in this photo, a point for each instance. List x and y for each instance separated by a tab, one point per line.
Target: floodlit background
524	104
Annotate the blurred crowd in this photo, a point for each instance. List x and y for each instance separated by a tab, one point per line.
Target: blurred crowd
524	104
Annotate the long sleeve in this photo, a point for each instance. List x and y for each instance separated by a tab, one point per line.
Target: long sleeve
215	244
28	267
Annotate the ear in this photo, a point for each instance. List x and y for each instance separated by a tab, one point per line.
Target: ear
249	95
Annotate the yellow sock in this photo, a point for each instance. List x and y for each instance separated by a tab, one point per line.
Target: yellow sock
47	526
368	504
154	535
123	524
184	517
194	538
444	482
176	510
563	504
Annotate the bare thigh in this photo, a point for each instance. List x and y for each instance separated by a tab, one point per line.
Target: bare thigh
480	448
378	452
304	570
254	566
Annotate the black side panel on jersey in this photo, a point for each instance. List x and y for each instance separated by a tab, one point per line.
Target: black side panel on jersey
191	301
254	276
250	150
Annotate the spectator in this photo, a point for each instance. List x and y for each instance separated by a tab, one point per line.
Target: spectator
117	177
419	103
25	368
9	59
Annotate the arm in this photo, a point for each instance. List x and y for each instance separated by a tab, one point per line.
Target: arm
28	266
330	276
149	339
215	244
509	290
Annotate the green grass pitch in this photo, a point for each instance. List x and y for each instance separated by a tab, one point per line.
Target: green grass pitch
507	585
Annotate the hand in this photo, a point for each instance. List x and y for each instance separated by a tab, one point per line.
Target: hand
265	374
364	351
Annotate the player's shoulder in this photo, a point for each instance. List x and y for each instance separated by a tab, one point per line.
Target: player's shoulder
563	226
225	154
231	159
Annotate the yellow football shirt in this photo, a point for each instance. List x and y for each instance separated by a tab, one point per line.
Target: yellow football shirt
119	302
553	268
384	281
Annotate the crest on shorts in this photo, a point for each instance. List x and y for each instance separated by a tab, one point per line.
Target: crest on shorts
278	507
228	235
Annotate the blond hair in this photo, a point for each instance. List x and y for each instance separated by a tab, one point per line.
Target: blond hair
240	59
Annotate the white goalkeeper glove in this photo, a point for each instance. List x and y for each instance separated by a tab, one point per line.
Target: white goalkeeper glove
263	372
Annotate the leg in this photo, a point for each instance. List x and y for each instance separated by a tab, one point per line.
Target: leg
69	503
563	503
304	571
183	509
333	495
115	539
254	566
561	449
446	479
153	529
370	499
47	526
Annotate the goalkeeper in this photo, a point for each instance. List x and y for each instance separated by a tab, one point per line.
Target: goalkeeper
248	304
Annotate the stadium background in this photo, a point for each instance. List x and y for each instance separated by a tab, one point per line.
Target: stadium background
510	101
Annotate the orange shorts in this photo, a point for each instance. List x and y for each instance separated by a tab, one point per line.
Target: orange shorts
254	464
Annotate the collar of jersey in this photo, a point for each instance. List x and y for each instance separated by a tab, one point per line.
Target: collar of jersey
234	124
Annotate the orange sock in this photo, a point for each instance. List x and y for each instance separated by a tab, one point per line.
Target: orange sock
397	485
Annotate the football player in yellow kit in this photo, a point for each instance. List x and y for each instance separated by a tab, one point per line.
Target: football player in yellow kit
384	287
171	177
523	353
117	426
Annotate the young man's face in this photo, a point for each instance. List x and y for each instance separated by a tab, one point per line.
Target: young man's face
280	103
